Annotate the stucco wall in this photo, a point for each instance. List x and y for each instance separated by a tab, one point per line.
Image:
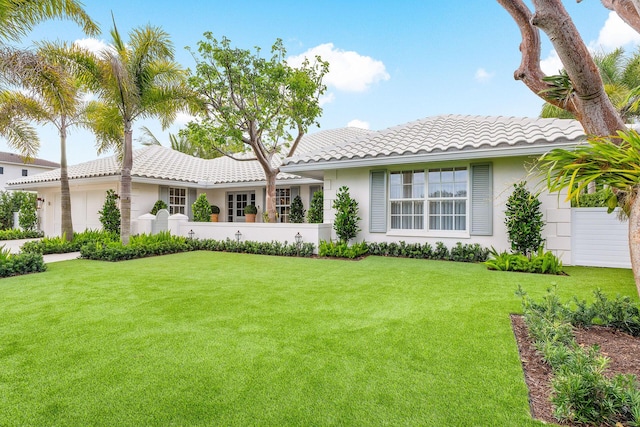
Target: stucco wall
13	171
506	172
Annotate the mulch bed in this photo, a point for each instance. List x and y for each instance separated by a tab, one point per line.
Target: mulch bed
622	350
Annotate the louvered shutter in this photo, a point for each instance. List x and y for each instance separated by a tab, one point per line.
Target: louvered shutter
163	194
481	200
378	202
191	198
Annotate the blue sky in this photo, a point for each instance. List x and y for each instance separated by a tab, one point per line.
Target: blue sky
393	62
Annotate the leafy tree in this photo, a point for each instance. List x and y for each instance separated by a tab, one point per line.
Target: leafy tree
138	79
621	77
346	221
316	209
201	209
27	216
580	90
60	105
256	102
296	215
110	214
523	219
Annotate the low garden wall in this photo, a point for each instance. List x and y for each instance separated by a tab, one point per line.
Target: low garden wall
179	225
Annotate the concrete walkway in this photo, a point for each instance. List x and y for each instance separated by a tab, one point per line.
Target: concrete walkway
14	247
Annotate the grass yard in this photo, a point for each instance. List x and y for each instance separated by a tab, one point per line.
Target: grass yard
209	338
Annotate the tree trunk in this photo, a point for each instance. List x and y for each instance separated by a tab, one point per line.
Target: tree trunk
270	203
634	239
125	185
65	192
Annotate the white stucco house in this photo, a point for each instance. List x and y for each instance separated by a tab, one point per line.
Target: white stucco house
444	178
13	166
160	173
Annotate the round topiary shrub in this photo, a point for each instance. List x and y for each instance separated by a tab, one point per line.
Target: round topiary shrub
201	209
523	218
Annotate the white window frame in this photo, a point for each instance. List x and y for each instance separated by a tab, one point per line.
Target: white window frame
177	200
443	210
422	226
283	204
406	200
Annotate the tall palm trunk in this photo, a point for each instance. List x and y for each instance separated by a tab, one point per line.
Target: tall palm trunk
125	185
634	239
65	192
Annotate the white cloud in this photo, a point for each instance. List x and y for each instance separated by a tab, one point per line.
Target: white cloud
184	118
327	98
551	65
92	45
615	33
483	76
355	123
348	70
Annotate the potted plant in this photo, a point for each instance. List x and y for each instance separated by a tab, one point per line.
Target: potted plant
215	211
250	212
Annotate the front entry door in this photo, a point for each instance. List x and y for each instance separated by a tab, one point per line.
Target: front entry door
236	203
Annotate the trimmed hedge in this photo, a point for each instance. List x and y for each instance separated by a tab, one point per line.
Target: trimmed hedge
142	246
22	263
15	234
460	252
60	245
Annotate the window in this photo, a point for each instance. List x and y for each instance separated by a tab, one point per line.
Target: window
177	200
25	172
283	204
448	199
1	170
407	200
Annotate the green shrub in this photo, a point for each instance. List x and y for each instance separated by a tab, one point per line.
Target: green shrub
201	209
250	209
15	234
144	245
523	218
315	215
19	264
110	213
346	221
160	204
296	216
460	252
582	393
60	245
10	202
540	262
342	249
27	216
602	198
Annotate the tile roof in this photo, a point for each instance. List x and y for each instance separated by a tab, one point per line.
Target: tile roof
18	159
446	133
158	162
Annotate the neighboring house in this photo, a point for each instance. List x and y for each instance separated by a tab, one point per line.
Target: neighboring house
12	166
160	173
444	178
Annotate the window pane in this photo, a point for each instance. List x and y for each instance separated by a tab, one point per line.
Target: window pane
447	175
461	175
447	223
396	192
395	208
461	207
434	208
461	223
447	207
407	208
434	222
460	189
447	190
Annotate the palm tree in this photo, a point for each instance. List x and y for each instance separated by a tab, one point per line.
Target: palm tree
58	104
17	17
134	80
621	78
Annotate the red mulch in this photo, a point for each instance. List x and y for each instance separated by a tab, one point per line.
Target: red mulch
622	350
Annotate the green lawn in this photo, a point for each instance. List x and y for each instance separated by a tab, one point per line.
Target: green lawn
210	338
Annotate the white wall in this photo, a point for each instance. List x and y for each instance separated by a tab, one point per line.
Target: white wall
506	172
14	171
599	239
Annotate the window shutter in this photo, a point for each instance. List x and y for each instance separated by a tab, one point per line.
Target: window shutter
481	200
378	202
295	191
163	194
191	198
